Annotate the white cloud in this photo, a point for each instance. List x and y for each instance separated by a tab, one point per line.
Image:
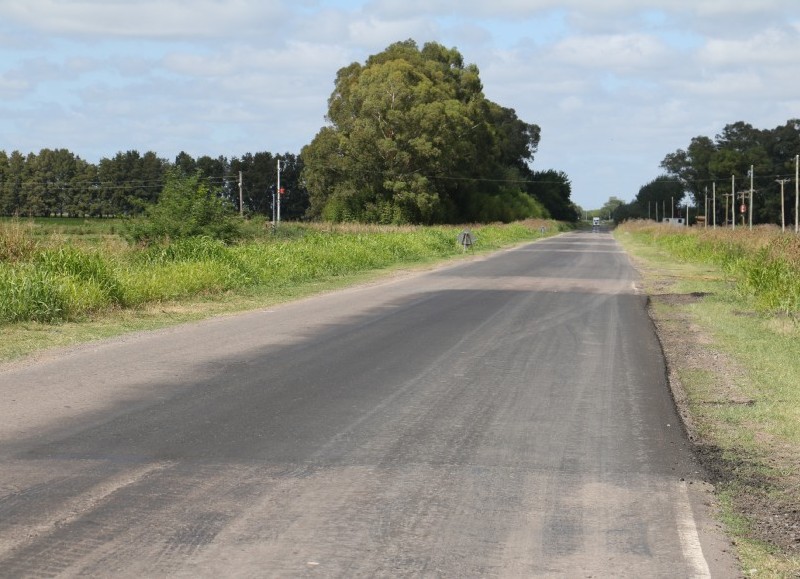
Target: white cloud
144	18
11	88
770	47
617	52
376	33
296	58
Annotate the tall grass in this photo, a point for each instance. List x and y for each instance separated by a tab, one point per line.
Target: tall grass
764	262
53	279
16	241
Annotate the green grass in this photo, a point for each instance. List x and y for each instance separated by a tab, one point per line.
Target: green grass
764	262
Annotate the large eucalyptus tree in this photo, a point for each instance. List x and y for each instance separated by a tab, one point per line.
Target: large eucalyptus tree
411	138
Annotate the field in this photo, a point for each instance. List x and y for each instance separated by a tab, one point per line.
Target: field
726	307
65	276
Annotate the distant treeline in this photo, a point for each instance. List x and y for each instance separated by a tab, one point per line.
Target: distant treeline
56	182
709	170
60	183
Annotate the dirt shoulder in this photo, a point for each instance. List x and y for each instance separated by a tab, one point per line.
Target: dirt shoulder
754	472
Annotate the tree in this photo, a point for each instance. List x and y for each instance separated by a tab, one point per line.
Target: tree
609	209
8	205
128	182
733	152
553	189
187	207
13	196
47	175
659	197
259	175
411	138
83	189
185	163
695	166
294	200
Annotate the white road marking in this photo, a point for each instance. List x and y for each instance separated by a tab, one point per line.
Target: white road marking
690	540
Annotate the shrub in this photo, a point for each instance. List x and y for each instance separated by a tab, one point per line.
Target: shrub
186	208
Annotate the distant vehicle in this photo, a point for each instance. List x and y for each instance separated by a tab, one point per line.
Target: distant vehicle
675	221
595	224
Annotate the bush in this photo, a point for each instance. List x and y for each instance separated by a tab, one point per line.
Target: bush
186	208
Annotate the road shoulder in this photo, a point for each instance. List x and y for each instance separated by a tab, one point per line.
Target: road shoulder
714	396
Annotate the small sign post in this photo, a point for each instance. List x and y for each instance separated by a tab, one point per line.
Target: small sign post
465	239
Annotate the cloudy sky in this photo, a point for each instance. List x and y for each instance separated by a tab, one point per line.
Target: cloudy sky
615	85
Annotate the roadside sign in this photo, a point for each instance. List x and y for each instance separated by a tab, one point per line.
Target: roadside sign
465	239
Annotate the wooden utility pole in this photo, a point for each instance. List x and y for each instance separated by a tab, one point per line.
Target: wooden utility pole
750	209
783	210
714	203
278	191
241	202
743	193
727	195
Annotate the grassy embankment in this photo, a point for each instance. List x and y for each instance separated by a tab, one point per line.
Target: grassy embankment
727	304
65	281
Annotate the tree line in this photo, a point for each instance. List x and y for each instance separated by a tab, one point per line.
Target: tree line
410	138
723	165
57	182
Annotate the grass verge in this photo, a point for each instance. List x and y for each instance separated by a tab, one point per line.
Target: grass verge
735	372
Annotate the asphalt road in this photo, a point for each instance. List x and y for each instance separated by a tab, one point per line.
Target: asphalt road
508	416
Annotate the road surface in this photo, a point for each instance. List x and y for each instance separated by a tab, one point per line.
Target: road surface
507	416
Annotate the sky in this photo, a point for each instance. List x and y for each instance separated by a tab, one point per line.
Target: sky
615	85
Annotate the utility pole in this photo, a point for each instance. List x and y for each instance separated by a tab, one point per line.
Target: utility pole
750	209
743	194
278	191
714	203
241	204
726	195
783	211
797	194
733	201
